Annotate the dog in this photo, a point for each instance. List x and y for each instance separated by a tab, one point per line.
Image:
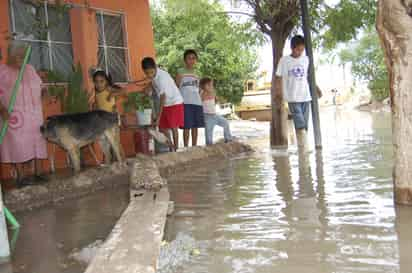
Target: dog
74	131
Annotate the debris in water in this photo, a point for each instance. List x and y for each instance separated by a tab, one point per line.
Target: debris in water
86	254
177	252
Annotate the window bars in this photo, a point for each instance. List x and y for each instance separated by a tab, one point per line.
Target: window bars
113	51
47	30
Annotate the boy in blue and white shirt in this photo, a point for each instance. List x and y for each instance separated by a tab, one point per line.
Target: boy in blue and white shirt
292	85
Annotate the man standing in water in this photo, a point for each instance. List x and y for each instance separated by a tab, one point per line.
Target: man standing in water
292	86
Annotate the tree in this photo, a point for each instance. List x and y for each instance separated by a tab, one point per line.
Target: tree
343	21
394	24
366	58
226	49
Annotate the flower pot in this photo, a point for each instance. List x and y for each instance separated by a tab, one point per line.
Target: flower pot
144	118
143	142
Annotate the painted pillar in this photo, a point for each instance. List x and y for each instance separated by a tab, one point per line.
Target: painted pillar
4	239
140	37
85	49
85	41
4	29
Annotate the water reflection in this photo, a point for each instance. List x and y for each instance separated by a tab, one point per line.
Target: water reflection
6	268
403	228
329	211
48	235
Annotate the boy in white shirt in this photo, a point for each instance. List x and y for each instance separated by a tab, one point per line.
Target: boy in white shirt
171	111
292	86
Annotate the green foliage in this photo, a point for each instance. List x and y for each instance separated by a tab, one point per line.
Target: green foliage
366	57
76	99
55	76
137	101
344	21
55	90
226	49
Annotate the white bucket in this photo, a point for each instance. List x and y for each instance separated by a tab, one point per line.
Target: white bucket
144	118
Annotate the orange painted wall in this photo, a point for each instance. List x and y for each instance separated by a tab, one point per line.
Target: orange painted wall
140	42
138	27
4	28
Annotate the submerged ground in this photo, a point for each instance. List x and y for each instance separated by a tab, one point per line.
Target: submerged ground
268	212
274	212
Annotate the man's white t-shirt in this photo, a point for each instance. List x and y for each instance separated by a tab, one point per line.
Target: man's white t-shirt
163	83
294	73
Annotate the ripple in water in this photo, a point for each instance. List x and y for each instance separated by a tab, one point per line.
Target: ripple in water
274	212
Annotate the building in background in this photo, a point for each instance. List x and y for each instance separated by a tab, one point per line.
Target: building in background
112	34
256	101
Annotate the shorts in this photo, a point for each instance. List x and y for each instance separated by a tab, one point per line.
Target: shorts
194	117
300	114
172	117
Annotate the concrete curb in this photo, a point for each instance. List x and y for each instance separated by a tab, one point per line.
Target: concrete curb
134	244
92	180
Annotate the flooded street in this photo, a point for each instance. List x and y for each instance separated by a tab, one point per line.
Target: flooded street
48	235
274	212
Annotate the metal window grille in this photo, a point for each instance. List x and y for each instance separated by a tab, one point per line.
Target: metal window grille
113	52
47	30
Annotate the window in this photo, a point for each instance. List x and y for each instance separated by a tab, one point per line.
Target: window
47	29
113	52
250	86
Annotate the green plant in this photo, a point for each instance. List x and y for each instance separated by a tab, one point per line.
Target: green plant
77	98
137	101
227	49
55	90
368	63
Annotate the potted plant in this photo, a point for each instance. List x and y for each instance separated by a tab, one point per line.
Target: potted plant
142	104
68	90
77	98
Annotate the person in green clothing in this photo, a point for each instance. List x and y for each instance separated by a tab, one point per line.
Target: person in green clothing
188	83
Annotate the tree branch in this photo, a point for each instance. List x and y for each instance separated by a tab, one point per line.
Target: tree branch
264	23
238	13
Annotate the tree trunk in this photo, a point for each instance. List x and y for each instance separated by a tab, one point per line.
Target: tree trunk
403	230
394	25
278	125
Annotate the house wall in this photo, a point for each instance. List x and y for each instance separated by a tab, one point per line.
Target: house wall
140	42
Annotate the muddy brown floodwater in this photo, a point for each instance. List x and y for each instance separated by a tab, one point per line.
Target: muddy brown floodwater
275	212
268	212
49	235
